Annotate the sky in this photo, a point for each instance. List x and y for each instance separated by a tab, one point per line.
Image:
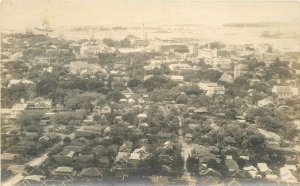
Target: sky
16	14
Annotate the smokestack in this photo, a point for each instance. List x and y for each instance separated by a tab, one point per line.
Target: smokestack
162	55
143	33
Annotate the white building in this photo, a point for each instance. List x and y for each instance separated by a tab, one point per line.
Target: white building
180	66
239	70
177	78
285	91
18	81
211	88
17	109
79	67
94	48
265	102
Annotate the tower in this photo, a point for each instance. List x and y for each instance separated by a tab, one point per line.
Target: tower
143	32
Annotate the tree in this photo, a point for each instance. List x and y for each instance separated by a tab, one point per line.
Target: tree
182	99
130	117
158	81
212	75
125	43
133	83
115	96
189	90
27	118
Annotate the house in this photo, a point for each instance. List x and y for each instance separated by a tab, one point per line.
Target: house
5	115
8	157
265	102
121	160
61	158
19	149
119	83
188	137
232	182
201	110
271	177
85	131
227	78
208	180
252	171
39	104
91	172
103	161
70	148
106	110
270	136
64	171
287	176
231	165
32	180
211	88
180	67
126	147
263	167
165	159
17	109
93	47
142	116
209	172
177	78
82	67
18	81
284	91
218	62
86	159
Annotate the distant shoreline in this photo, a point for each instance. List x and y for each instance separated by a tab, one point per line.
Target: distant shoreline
256	24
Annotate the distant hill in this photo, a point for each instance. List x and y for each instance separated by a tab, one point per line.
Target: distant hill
256	24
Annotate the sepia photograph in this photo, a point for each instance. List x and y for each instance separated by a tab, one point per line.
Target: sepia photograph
150	93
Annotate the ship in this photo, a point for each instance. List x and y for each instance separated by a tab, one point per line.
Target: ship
44	29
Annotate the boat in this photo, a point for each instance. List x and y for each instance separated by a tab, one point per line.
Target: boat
44	29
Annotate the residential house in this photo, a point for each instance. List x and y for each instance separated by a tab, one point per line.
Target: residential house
263	167
232	182
103	161
272	177
232	165
227	78
201	110
209	172
287	176
85	131
91	173
17	109
106	110
121	160
86	159
264	102
136	156
32	180
208	180
252	171
177	78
